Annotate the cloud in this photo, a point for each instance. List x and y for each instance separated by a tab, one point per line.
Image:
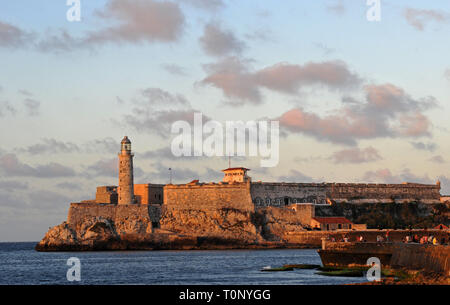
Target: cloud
161	174
447	74
25	92
126	22
54	146
209	5
386	176
11	166
234	77
437	159
419	18
217	41
294	176
59	41
387	112
140	21
11	185
356	155
337	7
326	50
13	37
108	145
69	186
158	122
155	96
424	146
175	69
156	110
160	154
50	146
32	106
6	108
106	167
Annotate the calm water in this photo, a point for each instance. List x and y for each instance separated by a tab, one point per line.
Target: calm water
20	264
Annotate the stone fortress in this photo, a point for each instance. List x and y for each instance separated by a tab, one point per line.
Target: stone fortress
263	194
235	210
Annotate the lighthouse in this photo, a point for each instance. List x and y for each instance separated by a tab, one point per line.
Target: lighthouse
126	183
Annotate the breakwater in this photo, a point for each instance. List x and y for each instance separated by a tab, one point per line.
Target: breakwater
425	257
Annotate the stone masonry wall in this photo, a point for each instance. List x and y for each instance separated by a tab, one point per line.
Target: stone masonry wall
281	194
208	196
408	191
222	211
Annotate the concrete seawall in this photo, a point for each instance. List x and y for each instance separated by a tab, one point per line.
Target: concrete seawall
429	258
314	238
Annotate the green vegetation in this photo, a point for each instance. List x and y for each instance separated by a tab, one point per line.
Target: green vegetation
392	215
278	269
350	272
302	266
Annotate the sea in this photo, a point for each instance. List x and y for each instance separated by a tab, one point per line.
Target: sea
20	264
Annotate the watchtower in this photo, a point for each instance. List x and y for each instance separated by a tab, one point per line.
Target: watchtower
236	174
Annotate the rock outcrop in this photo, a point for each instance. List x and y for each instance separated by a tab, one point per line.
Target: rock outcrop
117	227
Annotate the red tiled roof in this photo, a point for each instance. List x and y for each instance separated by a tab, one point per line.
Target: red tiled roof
438	227
233	168
332	220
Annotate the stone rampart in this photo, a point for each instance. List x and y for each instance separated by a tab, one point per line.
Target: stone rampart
395	192
280	194
209	196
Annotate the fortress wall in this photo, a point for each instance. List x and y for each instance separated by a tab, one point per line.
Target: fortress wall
278	194
361	191
208	196
222	211
121	215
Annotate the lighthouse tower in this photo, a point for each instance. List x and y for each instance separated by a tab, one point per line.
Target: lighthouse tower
126	184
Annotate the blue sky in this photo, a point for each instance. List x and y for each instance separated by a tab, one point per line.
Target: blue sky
356	100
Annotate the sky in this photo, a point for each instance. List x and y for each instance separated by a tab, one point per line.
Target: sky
356	100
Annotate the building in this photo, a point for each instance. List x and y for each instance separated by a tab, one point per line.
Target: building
148	193
236	174
263	194
331	223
